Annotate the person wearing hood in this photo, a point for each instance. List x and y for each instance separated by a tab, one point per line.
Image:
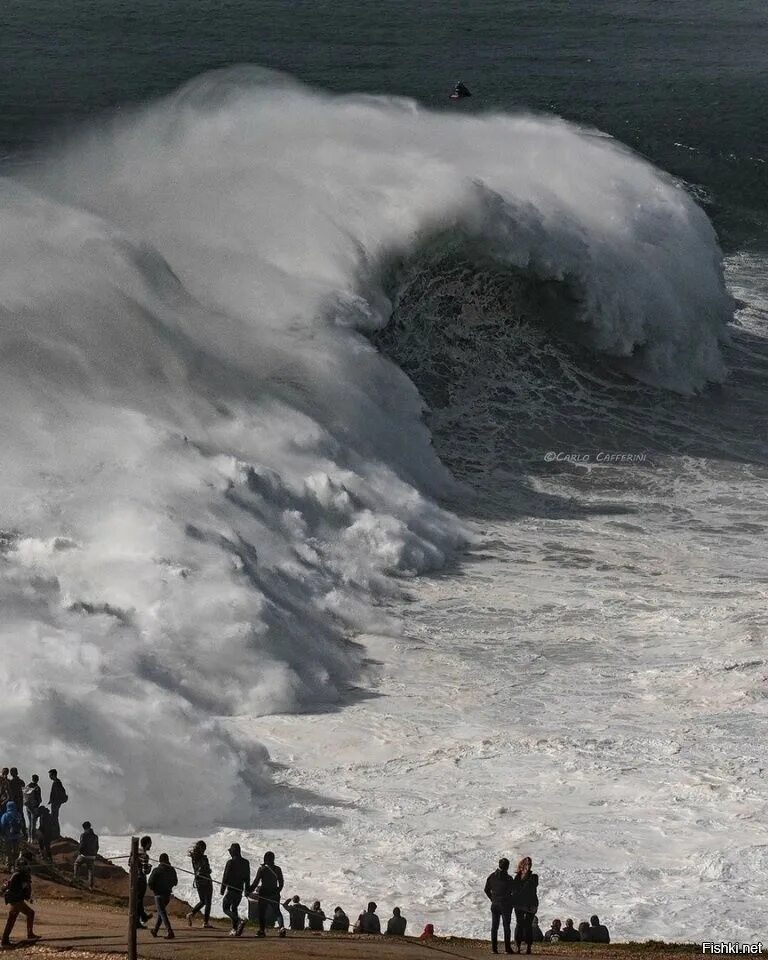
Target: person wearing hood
234	883
339	921
498	889
12	831
161	882
268	885
17	891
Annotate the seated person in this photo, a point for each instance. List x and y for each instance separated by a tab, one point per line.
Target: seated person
553	934
598	933
538	933
584	931
428	932
297	913
569	933
396	924
316	917
368	922
339	920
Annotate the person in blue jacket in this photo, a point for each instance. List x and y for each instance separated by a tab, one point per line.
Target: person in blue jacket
12	831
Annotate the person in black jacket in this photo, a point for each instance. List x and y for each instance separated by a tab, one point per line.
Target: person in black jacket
45	832
597	932
268	883
161	882
57	799
297	913
316	916
498	889
339	921
396	924
203	883
234	883
17	891
526	902
569	934
87	853
143	870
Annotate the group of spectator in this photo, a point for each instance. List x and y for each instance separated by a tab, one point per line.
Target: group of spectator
264	894
507	892
18	799
592	932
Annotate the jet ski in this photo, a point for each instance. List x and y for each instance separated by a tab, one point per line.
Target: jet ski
460	91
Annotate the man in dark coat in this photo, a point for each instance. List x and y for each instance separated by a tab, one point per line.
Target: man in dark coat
17	891
87	853
598	932
268	884
498	889
396	924
57	799
161	882
234	883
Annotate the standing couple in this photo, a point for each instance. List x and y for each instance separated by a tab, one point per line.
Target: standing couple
518	892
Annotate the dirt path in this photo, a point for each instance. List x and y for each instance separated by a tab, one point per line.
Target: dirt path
92	930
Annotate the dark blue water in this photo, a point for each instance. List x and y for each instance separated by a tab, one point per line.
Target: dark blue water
683	81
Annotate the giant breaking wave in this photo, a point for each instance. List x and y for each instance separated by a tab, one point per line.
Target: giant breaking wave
210	476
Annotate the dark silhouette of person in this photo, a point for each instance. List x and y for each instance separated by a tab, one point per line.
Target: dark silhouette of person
460	90
268	884
12	832
234	883
316	917
553	934
16	793
3	789
526	903
45	832
569	934
339	921
596	932
161	882
87	853
538	933
297	913
499	888
203	883
56	800
33	800
584	931
17	891
143	869
396	924
368	921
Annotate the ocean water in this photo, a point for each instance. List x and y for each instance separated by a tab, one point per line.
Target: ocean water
384	479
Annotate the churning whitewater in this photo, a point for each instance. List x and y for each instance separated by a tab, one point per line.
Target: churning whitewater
213	481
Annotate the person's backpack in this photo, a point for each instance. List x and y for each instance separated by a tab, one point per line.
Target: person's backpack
33	796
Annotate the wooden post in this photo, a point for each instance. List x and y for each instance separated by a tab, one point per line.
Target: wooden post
133	898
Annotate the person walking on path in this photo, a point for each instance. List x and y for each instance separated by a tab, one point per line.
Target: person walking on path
17	892
526	903
12	832
201	868
499	889
161	882
268	883
234	883
33	800
143	870
56	800
87	853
